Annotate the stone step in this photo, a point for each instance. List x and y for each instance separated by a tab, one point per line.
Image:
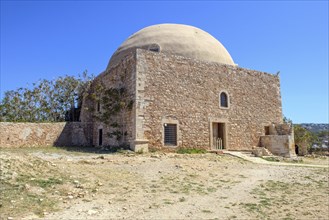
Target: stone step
261	151
248	153
268	153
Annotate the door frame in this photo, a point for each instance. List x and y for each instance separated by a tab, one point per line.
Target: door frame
222	121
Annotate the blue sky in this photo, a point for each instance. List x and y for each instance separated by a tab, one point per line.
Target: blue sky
47	39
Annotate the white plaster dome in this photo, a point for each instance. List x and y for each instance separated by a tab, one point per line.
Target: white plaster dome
177	39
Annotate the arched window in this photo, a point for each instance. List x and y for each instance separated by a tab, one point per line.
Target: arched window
223	100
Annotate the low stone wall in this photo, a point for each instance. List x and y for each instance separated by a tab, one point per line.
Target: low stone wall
44	134
281	145
281	129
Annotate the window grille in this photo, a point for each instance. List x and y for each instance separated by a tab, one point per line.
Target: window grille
223	100
170	134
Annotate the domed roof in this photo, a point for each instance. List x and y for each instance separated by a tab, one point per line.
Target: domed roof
177	39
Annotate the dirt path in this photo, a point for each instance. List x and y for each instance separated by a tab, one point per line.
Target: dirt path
259	160
173	186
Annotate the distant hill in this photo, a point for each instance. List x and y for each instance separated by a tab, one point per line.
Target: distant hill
315	127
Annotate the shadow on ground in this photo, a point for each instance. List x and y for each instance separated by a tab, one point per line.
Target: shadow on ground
95	150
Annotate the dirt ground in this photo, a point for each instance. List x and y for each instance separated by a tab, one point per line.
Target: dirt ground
53	183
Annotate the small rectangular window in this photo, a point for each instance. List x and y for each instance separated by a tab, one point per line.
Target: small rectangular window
100	137
170	134
98	106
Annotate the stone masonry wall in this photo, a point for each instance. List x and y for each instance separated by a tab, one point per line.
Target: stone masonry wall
280	129
44	134
280	140
187	91
112	79
281	145
284	129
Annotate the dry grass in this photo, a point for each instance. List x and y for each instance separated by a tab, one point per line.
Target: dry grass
57	183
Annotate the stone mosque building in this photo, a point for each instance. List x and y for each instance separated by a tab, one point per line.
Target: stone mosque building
185	90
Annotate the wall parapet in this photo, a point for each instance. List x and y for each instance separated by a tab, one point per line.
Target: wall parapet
280	140
44	134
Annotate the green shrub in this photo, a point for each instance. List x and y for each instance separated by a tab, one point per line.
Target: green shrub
191	151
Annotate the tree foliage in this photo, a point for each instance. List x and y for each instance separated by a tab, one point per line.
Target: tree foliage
305	137
48	100
323	134
302	136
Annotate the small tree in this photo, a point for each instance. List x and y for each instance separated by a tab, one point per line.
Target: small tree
304	137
